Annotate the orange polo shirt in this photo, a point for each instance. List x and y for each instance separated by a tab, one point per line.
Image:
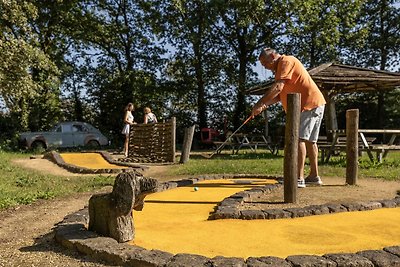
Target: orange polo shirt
298	80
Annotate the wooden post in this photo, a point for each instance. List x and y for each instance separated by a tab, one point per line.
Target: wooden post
266	130
290	166
187	144
352	116
330	115
173	139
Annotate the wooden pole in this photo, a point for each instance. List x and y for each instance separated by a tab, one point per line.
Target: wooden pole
187	144
266	129
173	139
290	166
330	115
352	117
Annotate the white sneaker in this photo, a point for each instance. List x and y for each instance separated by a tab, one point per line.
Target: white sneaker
313	180
301	183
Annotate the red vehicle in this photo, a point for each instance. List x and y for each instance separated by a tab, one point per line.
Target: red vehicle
208	136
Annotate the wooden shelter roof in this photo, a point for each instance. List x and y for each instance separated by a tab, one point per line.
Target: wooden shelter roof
335	77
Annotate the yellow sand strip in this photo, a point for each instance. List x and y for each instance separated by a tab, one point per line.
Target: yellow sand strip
89	160
176	221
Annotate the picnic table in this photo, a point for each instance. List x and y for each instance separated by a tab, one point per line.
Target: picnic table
253	141
242	140
338	143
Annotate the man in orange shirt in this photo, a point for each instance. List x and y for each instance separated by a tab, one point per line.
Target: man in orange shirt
292	77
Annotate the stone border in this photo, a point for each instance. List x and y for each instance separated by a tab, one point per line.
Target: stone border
72	234
229	207
57	159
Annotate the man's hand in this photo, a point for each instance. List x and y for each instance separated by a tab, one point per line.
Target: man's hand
257	109
270	97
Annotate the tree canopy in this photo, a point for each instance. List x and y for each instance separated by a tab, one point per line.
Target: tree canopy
86	59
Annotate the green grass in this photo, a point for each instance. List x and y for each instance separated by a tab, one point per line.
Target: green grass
273	165
22	186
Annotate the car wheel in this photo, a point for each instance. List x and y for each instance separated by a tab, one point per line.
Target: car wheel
93	144
38	146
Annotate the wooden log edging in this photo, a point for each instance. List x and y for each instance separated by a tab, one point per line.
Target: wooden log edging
56	158
72	234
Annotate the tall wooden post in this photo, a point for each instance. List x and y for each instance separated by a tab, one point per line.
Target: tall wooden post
187	144
330	114
290	167
352	117
173	139
266	129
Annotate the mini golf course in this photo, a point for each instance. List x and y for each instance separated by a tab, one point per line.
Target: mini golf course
175	221
89	160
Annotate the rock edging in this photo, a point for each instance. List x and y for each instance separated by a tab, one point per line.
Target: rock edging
72	234
229	207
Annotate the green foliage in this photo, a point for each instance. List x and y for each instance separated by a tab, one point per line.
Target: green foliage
381	47
22	186
369	105
85	60
27	73
318	30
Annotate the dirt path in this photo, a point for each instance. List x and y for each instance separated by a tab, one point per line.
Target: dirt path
26	237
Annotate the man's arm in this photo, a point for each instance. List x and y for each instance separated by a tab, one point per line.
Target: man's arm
270	97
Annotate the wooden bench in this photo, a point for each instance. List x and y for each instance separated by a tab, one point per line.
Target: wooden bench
230	144
242	140
331	148
338	144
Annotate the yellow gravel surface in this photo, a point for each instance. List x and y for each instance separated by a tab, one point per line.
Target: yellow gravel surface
89	160
176	221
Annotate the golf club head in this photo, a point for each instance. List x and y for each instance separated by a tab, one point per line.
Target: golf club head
207	156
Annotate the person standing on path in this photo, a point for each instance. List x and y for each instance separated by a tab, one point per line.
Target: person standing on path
128	120
292	77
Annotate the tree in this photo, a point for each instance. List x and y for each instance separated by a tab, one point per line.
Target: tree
318	30
120	56
186	27
27	73
380	49
244	28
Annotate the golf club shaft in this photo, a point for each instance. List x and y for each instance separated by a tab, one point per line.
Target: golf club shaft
227	139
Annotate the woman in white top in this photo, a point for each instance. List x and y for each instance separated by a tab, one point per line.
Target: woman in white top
149	117
128	120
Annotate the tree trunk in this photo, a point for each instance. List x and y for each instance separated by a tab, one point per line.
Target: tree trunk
241	101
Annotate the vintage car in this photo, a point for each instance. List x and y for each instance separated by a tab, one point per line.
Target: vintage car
65	134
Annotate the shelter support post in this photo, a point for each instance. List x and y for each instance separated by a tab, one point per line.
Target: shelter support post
330	114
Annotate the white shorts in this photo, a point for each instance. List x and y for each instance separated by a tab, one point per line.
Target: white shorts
310	122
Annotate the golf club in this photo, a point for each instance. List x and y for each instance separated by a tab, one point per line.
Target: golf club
227	139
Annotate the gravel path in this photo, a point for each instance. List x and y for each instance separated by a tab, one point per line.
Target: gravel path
26	237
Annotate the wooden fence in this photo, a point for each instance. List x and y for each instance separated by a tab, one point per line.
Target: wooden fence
153	142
